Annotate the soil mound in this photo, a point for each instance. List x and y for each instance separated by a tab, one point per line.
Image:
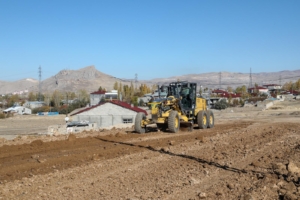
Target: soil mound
71	138
36	143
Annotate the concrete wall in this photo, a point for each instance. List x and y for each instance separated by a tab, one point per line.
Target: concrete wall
106	115
63	129
95	98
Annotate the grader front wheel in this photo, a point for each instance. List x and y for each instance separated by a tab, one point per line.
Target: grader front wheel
138	124
173	122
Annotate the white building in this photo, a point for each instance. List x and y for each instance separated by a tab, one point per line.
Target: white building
34	104
108	113
19	110
273	87
95	97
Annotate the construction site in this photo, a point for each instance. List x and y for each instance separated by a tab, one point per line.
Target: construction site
250	153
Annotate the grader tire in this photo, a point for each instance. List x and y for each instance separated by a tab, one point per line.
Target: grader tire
211	119
138	123
173	122
202	119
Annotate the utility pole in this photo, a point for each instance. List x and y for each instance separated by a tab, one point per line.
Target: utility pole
40	82
67	105
220	77
250	82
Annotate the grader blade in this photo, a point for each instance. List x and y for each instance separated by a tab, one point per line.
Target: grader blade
186	126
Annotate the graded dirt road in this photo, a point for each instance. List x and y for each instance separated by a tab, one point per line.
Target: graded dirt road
253	155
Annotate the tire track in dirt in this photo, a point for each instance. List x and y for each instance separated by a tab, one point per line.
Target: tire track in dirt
230	161
40	157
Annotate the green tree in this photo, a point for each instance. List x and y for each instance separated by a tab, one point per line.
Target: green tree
141	103
222	104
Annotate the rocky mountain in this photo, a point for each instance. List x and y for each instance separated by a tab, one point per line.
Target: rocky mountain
90	79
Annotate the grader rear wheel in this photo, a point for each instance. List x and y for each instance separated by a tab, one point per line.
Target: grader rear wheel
202	119
173	122
138	124
211	119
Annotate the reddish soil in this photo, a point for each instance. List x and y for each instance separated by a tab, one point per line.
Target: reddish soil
246	158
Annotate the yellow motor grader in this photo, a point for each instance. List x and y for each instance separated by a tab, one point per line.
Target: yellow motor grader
181	108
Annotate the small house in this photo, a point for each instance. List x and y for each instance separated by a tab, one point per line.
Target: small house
108	113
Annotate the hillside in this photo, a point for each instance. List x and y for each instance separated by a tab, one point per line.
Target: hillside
90	79
212	80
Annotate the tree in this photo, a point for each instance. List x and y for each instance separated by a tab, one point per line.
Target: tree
56	96
297	84
229	89
116	86
120	92
141	103
12	100
83	95
131	89
101	89
31	96
102	100
47	99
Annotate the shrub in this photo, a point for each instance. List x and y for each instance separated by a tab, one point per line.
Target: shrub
222	104
6	115
2	115
41	109
235	102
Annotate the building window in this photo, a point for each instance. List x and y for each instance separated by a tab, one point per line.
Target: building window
127	120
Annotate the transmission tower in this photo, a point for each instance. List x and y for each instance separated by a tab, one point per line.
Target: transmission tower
220	77
40	82
280	80
136	80
250	82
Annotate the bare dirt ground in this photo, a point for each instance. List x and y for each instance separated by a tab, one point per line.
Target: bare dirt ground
247	155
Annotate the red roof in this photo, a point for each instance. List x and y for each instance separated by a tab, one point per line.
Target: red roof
290	92
116	102
219	91
271	85
98	92
258	87
227	95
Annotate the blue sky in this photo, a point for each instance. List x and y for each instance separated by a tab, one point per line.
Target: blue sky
151	38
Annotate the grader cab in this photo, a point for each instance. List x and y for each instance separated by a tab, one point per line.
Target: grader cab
181	108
